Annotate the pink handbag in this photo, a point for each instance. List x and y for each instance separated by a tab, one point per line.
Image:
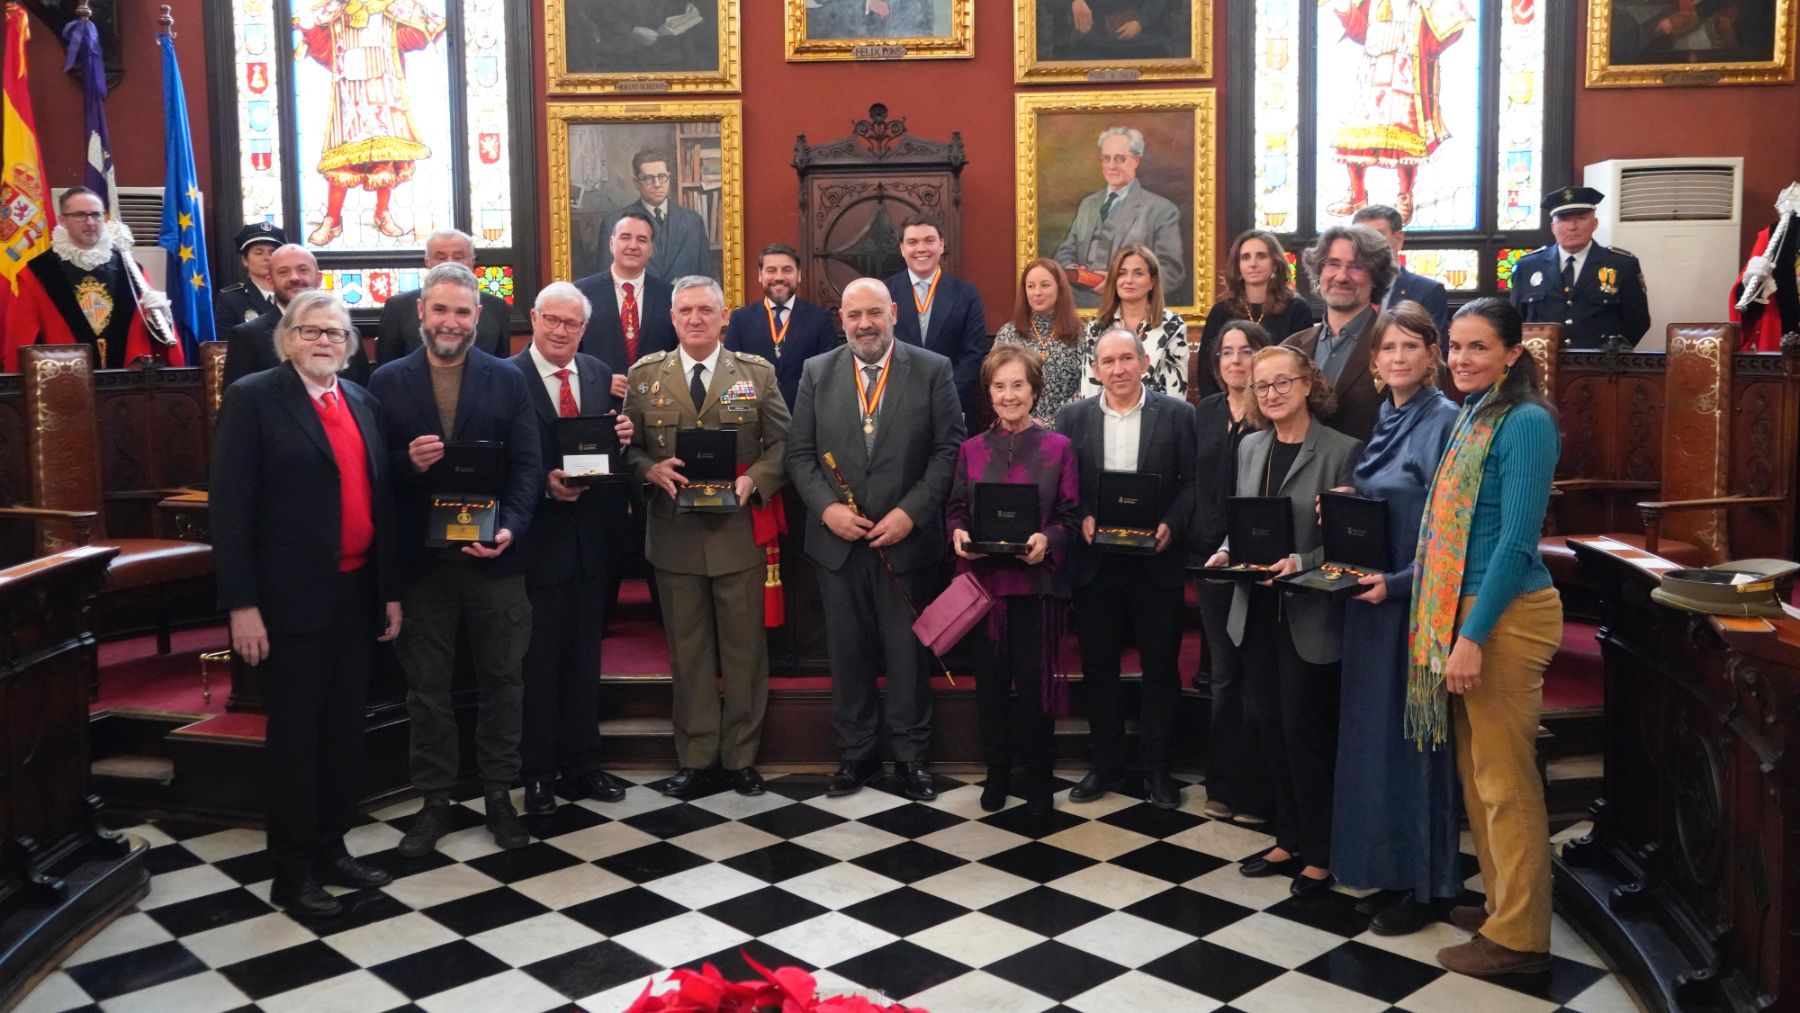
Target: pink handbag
952	614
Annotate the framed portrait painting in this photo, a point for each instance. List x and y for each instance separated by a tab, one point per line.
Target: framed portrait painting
684	159
641	46
1098	41
880	30
1151	152
1648	43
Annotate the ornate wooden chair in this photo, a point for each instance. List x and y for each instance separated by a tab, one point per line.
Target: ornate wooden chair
212	379
149	575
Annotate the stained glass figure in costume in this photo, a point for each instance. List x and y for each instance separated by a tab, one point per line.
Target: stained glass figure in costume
1397	117
370	141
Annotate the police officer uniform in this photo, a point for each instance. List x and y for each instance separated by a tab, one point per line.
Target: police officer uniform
1606	299
709	569
244	302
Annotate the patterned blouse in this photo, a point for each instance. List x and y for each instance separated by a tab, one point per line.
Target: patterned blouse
1062	362
1166	345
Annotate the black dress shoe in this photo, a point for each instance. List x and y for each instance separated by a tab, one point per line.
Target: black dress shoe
347	871
1403	918
686	783
1163	790
1258	868
1306	886
1380	901
1040	802
596	786
1094	784
999	785
916	782
851	777
504	823
306	898
539	798
432	822
747	781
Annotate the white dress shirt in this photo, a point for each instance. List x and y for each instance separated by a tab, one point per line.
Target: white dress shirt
637	290
317	390
1580	256
1119	433
707	366
552	384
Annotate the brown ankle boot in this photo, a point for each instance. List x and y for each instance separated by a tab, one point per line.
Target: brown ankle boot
1469	917
1481	957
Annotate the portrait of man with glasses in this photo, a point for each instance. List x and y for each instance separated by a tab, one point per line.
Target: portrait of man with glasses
679	243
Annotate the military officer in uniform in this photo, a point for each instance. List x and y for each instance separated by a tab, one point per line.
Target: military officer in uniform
1596	291
709	566
255	295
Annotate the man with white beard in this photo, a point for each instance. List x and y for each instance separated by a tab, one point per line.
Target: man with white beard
87	289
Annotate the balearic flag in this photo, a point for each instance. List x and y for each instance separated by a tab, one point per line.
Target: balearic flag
83	42
183	231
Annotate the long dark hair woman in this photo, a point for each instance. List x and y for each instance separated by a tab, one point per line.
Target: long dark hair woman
1017	690
1394	827
1258	286
1237	786
1044	321
1485	622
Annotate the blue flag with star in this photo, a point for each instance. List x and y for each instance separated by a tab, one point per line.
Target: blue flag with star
183	233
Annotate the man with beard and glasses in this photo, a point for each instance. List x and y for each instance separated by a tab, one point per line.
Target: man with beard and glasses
446	391
308	599
1353	267
82	290
251	346
782	327
888	413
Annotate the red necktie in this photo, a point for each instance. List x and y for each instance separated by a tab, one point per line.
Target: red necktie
628	322
329	400
565	402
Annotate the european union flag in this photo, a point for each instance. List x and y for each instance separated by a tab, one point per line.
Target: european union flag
183	232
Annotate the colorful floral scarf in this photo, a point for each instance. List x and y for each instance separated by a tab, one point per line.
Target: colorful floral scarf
1443	550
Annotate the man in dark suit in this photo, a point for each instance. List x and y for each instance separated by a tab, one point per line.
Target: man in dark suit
682	246
782	328
1597	292
569	542
449	391
1128	427
1407	286
1353	267
938	310
304	541
255	295
398	332
251	346
888	413
631	305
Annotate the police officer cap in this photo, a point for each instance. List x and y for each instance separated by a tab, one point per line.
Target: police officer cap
1571	198
259	232
1742	588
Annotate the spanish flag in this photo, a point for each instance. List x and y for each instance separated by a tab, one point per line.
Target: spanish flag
25	214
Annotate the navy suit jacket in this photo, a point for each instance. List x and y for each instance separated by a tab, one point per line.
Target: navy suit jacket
1595	309
251	349
492	405
1429	293
1165	448
604	339
398	332
958	327
810	331
569	540
680	248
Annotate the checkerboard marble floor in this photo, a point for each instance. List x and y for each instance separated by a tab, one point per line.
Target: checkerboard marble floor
1116	906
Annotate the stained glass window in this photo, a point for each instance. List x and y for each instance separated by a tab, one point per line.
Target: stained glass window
1456	270
490	176
370	289
1277	141
1504	260
1521	141
259	110
496	280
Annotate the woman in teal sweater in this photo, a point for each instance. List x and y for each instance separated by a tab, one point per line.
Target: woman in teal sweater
1485	624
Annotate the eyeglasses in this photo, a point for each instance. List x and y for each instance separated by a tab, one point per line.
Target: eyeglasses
335	335
84	216
556	323
1346	266
656	180
1279	385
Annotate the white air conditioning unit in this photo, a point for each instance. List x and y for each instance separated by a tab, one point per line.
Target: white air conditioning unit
141	209
1682	219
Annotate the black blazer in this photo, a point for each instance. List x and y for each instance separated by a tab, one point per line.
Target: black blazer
492	405
810	331
1165	447
275	509
958	328
251	349
604	339
1428	293
569	540
398	332
1215	472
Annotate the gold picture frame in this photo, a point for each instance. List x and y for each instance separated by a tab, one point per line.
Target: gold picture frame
590	176
1615	37
1092	65
956	42
643	77
1055	173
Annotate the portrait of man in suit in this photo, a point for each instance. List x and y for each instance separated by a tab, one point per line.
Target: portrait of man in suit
641	36
876	19
664	171
1113	30
1121	213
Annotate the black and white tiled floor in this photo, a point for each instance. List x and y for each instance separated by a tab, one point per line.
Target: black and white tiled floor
1118	906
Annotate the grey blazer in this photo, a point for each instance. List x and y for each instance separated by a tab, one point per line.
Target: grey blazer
1140	218
918	431
1327	458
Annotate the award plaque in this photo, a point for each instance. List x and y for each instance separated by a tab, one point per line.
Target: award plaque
1262	532
465	487
461	520
1355	531
1002	515
1128	512
709	462
590	449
